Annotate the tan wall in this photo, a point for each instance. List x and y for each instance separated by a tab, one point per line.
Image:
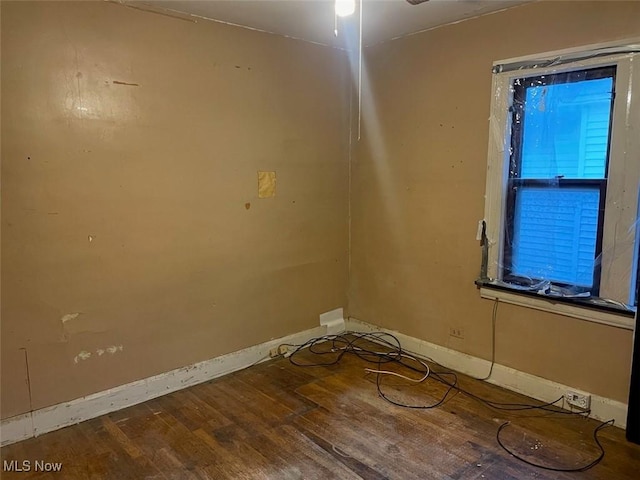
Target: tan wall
157	174
418	193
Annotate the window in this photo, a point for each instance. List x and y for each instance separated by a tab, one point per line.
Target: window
563	175
561	125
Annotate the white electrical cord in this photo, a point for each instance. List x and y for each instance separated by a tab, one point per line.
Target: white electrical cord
395	374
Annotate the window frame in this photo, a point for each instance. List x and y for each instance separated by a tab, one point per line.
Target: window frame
618	245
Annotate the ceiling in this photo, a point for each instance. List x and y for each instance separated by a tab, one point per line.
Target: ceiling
314	20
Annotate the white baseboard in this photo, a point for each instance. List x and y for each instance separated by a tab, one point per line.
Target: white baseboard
32	424
602	408
48	419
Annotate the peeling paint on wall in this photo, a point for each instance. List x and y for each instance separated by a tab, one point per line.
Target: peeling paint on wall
68	326
78	322
84	355
68	317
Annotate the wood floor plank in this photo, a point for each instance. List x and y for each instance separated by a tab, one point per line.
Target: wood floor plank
281	421
387	421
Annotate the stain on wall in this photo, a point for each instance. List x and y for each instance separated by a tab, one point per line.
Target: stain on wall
129	140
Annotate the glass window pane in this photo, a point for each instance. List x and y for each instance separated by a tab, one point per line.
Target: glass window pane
566	129
554	234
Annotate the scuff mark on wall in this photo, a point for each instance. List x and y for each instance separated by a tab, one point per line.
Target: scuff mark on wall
117	82
28	379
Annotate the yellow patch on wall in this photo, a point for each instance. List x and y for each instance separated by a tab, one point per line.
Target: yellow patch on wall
266	184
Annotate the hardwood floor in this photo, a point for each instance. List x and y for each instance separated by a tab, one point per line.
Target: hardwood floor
279	421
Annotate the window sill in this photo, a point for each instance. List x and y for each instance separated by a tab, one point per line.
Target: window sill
570	307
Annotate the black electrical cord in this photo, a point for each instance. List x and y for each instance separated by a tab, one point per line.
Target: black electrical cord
493	341
347	342
352	342
452	387
592	464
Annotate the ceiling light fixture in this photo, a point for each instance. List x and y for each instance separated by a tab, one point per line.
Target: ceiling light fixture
344	8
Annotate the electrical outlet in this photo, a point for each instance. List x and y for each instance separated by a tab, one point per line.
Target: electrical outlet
273	353
456	332
278	351
578	400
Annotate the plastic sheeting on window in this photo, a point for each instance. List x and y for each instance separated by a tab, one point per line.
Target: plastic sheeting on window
564	154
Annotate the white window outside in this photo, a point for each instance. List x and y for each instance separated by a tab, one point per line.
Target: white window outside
563	178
